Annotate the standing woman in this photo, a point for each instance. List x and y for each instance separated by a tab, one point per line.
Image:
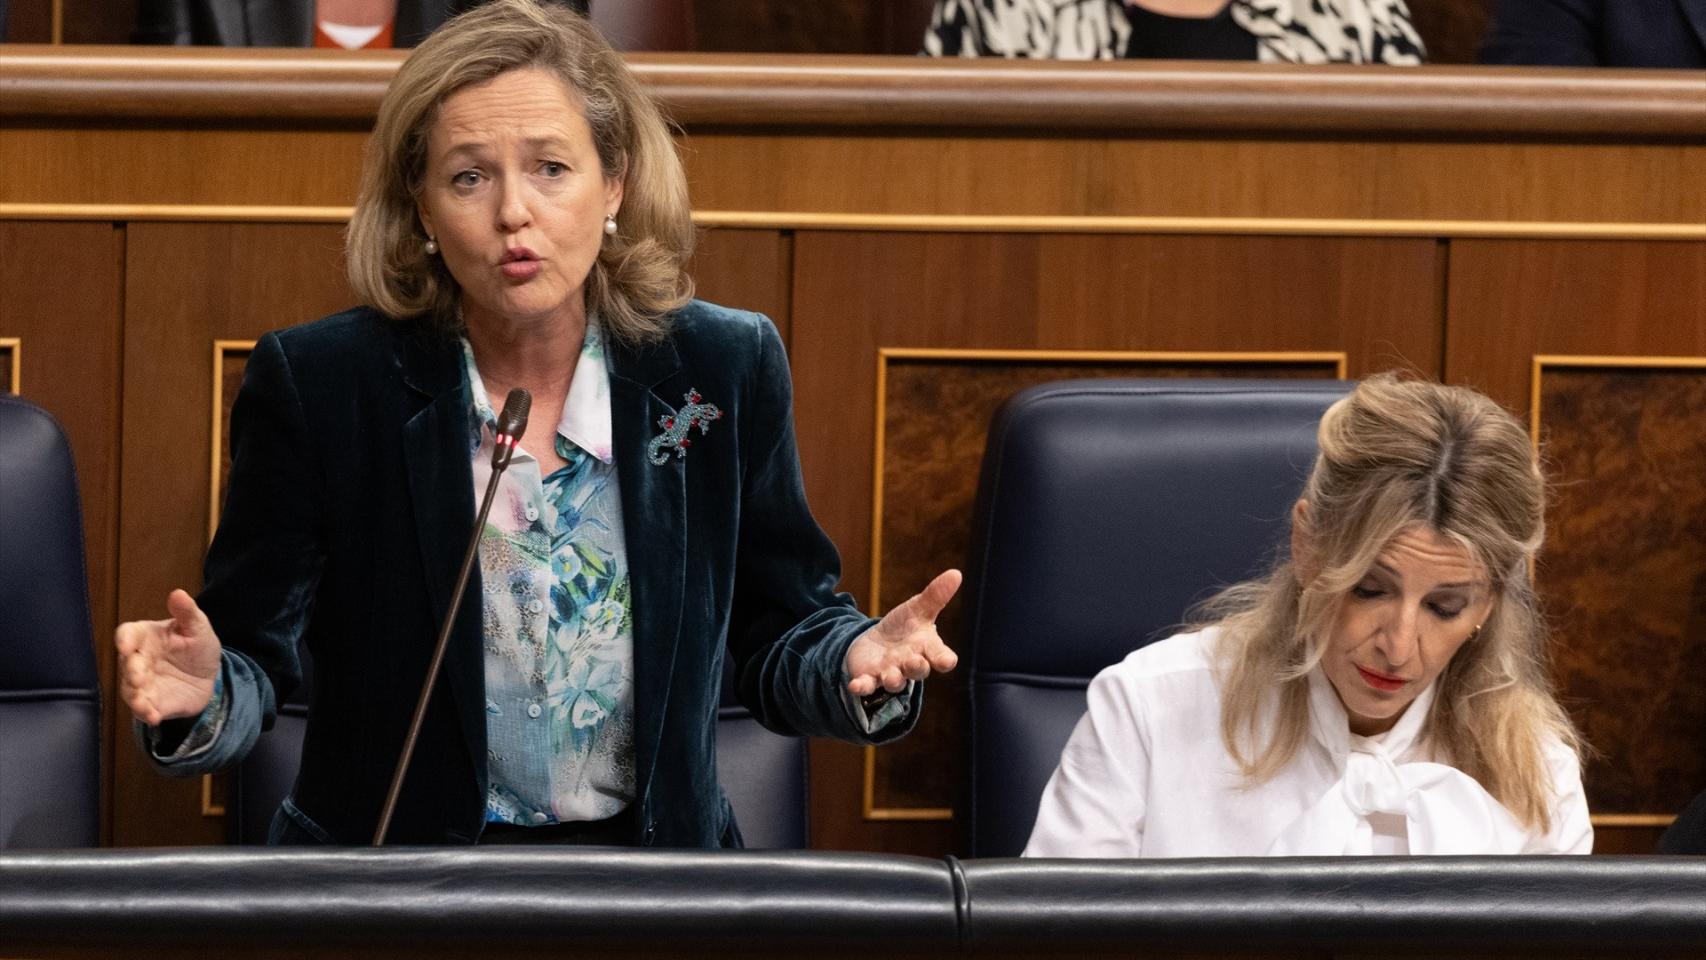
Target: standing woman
522	222
1384	691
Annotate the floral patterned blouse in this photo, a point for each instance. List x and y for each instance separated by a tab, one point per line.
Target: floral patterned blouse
558	632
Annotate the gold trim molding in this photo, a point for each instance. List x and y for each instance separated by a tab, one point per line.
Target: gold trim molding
1615	820
1267	226
939	223
210	808
1338	359
216	429
16	346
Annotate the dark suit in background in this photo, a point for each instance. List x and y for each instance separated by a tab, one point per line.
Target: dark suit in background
278	23
1598	33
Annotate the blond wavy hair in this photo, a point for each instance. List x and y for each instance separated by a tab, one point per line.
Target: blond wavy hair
638	277
1395	454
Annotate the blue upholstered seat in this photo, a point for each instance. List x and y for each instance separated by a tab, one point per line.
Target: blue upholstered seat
50	702
1105	509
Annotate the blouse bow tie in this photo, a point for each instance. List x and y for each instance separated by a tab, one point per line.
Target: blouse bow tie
1446	811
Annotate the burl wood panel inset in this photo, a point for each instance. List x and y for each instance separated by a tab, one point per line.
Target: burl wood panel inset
936	421
189	285
1624	575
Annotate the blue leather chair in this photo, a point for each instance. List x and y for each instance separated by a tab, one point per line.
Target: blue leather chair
764	775
50	701
1105	509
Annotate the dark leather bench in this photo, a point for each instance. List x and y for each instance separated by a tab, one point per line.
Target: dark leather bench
619	903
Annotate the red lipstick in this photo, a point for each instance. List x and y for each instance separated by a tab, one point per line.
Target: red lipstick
1380	681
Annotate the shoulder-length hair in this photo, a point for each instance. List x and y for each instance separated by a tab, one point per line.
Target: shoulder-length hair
1396	454
638	277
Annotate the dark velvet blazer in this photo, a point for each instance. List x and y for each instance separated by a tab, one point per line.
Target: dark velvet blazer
349	506
1598	33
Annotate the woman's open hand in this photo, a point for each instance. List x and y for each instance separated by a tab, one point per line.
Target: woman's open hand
166	668
904	645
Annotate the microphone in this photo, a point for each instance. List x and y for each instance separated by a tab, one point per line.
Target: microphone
512	423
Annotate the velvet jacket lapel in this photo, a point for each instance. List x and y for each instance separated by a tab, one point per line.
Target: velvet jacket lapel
654	516
441	494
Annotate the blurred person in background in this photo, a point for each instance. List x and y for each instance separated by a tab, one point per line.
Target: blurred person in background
1270	31
1597	33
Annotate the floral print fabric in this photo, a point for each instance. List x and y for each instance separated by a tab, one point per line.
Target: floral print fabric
557	628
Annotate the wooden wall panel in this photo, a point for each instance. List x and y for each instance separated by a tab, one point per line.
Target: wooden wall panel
188	285
940	173
164	166
1511	299
60	297
748	269
1603	429
854	293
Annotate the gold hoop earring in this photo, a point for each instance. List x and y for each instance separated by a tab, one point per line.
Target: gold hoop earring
1474	634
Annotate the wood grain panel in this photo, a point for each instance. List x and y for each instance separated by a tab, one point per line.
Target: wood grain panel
934	173
1511	299
141	166
748	269
60	296
188	285
1376	299
936	415
1625	576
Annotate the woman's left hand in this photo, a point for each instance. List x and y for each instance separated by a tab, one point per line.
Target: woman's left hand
904	645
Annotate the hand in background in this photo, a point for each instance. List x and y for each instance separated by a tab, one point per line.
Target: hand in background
166	668
904	645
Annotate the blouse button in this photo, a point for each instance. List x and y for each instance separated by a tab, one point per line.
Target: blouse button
534	711
532	513
536	605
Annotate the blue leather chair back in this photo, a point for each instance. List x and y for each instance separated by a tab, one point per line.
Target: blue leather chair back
50	702
1105	509
763	774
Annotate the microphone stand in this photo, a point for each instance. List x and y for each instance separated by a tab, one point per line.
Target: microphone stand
511	424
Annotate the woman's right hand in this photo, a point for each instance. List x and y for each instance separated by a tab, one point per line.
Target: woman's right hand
167	668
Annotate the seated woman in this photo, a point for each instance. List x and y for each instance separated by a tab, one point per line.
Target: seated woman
522	223
1271	31
1382	692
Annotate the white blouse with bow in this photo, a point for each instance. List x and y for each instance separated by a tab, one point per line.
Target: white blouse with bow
1146	775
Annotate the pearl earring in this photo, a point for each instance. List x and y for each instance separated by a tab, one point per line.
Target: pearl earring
431	246
610	225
